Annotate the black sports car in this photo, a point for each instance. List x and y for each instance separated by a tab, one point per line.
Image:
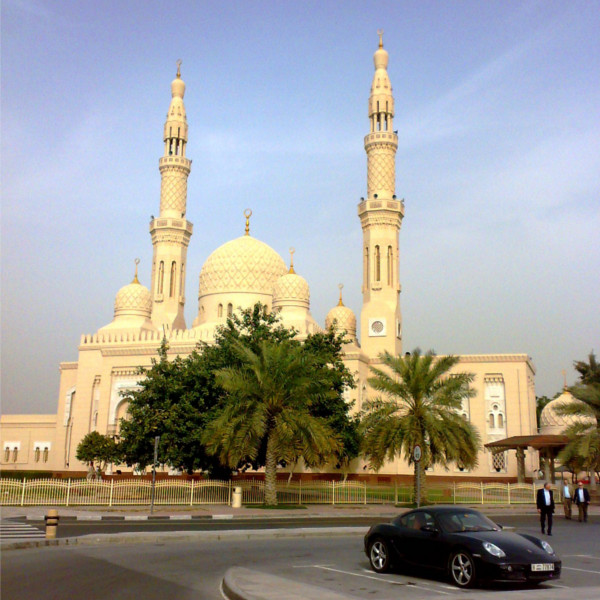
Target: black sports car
463	543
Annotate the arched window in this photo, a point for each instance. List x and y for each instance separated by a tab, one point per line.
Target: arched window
161	276
377	264
500	420
36	454
230	310
172	280
15	454
492	421
6	454
46	454
390	266
181	279
220	311
367	265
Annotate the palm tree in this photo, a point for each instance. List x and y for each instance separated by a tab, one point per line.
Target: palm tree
584	433
419	405
269	401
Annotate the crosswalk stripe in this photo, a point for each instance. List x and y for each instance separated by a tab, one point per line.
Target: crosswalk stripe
10	530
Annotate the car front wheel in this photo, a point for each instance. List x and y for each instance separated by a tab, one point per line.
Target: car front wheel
379	556
462	569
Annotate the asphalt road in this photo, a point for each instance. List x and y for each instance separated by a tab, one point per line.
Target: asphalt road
195	570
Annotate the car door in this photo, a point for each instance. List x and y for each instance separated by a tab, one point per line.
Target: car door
418	544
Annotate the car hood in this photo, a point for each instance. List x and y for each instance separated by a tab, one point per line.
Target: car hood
516	547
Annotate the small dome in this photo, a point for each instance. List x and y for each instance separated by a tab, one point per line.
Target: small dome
177	85
552	422
241	265
342	318
133	300
291	288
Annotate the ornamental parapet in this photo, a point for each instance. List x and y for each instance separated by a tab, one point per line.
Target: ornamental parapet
394	207
164	223
129	337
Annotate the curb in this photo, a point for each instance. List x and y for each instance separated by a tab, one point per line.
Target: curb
185	536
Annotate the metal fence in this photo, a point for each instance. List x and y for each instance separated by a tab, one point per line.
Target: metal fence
132	492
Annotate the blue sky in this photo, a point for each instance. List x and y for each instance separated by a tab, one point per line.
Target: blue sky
498	112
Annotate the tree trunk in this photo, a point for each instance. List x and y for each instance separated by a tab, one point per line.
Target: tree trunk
419	494
271	474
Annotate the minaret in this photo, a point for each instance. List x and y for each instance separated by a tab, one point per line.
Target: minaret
380	217
171	231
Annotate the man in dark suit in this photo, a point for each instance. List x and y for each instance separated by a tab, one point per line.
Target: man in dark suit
545	506
582	499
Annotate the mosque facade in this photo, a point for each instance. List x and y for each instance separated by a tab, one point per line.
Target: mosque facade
240	273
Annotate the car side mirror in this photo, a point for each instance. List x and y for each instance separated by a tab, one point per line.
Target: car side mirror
429	528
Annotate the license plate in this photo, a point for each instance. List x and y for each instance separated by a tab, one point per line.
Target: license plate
543	567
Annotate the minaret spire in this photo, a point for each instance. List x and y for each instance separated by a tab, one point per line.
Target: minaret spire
171	231
381	217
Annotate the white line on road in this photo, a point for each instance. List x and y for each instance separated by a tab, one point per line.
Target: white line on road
583	556
582	570
373	577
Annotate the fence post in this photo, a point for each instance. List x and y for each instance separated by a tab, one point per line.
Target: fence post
333	492
300	492
482	492
229	497
23	492
395	492
509	493
454	492
68	491
110	498
533	490
365	484
192	494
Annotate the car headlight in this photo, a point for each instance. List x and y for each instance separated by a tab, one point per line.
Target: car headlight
494	550
547	547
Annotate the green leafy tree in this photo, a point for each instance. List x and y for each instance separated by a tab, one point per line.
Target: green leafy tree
584	432
98	450
269	400
419	405
171	402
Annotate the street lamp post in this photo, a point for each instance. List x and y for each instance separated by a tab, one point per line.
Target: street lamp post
156	440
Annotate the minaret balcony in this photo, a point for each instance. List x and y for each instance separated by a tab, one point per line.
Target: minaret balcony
175	161
171	223
381	204
388	137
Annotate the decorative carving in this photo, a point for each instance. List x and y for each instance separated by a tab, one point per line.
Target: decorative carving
173	191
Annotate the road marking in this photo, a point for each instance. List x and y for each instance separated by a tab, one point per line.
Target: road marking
377	578
582	570
222	516
555	585
583	556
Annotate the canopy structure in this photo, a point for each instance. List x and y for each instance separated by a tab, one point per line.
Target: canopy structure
547	445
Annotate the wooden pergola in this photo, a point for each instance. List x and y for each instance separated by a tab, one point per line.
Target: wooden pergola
547	445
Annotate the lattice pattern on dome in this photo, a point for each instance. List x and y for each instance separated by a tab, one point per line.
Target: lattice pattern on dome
291	286
344	319
381	174
173	192
133	297
550	417
241	265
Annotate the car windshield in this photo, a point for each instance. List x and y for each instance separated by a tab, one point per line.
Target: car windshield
456	522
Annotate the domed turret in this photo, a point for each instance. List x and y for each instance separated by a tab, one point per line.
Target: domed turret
133	306
553	423
342	319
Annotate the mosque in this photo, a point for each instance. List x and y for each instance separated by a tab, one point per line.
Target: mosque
240	273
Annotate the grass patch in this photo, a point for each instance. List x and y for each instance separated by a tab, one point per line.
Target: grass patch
276	506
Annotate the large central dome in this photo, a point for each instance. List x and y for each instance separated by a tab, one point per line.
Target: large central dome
241	265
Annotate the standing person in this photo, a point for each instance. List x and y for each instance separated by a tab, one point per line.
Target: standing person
567	499
545	506
582	499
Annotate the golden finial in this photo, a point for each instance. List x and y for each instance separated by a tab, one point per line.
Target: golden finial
341	286
178	68
292	251
135	277
380	34
564	373
248	214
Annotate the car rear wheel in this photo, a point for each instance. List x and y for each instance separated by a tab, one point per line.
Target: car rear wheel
379	555
462	569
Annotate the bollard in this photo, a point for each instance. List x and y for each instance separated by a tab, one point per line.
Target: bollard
51	523
236	500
